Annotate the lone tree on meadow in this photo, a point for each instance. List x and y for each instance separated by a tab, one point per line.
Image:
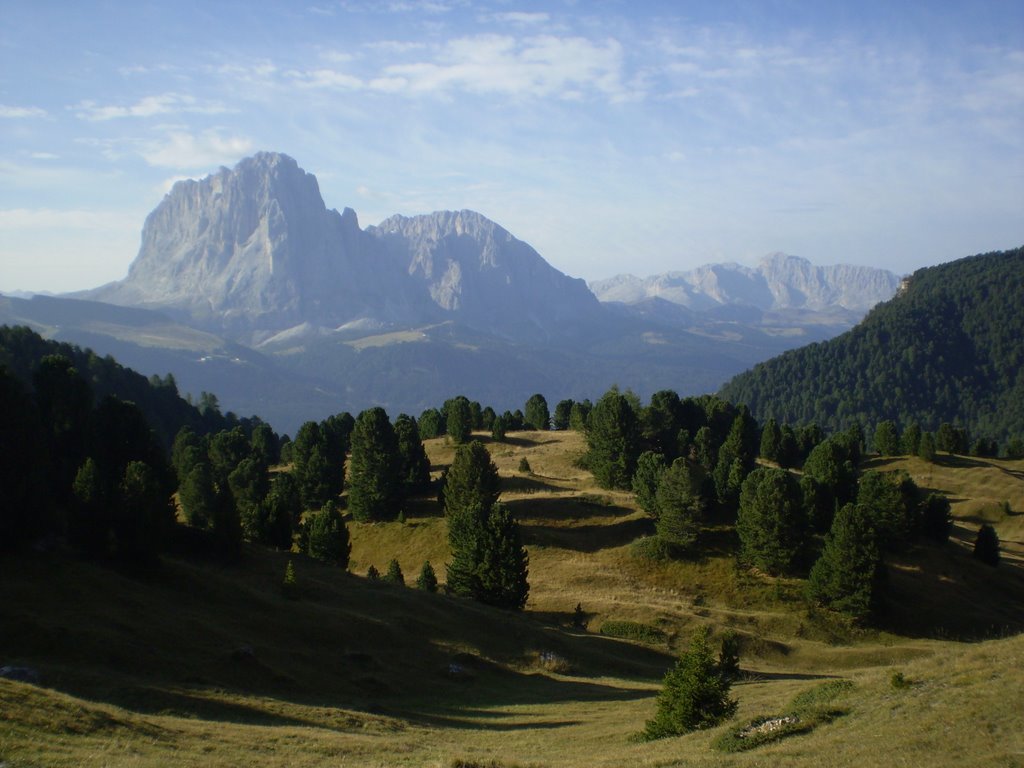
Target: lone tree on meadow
458	417
771	524
695	693
374	491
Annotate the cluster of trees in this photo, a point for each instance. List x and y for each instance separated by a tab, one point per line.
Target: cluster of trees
947	349
688	459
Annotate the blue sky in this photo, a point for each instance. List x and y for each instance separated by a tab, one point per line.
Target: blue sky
612	136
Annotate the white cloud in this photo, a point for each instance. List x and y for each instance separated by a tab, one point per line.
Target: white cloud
326	78
533	67
43	156
184	150
21	112
150	106
520	18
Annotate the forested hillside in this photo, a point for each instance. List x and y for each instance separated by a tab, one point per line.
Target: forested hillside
947	349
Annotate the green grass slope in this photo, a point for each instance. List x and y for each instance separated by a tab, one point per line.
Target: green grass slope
197	664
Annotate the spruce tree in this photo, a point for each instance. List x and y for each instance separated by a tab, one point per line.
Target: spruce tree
650	468
280	513
536	412
431	424
562	415
680	507
427	580
936	520
847	575
458	419
327	537
771	524
887	439
771	441
892	498
613	441
198	495
414	466
374	490
472	480
926	448
394	573
694	694
504	564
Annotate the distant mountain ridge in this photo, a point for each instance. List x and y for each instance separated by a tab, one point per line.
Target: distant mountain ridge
248	286
779	282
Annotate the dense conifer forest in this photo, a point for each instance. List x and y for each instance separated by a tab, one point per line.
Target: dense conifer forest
947	349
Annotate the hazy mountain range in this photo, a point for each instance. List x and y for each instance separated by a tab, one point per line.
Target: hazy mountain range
248	286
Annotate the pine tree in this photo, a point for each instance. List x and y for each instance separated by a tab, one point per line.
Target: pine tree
986	545
198	495
427	580
892	498
504	564
694	694
431	424
847	575
280	512
613	441
680	507
563	413
536	412
771	524
394	573
771	441
372	574
926	448
414	466
327	537
373	468
472	480
887	439
650	468
911	442
936	520
290	584
458	419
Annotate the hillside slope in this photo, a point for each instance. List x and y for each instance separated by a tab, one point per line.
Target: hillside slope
946	349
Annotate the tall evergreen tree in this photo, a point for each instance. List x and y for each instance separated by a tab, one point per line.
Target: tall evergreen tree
650	468
986	545
198	495
431	424
327	538
536	412
680	507
771	524
562	415
771	441
374	491
458	419
911	441
936	520
280	512
893	499
661	421
887	438
427	580
847	576
579	415
613	441
414	466
503	569
471	482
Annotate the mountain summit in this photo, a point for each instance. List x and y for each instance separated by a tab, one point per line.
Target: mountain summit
253	251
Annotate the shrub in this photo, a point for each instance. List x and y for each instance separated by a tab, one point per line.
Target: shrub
524	466
633	630
290	584
695	693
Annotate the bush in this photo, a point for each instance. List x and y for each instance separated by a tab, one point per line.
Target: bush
633	630
524	466
652	548
290	584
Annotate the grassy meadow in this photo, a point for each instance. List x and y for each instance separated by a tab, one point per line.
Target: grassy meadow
197	664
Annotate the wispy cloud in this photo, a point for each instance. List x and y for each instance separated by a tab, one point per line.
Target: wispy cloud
183	150
504	65
150	106
17	113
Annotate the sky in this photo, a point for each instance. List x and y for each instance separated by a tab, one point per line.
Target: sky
614	137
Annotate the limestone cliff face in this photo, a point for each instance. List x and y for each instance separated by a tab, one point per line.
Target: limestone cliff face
780	282
254	251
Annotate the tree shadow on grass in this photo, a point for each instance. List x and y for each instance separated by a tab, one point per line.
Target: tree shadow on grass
527	484
564	508
587	538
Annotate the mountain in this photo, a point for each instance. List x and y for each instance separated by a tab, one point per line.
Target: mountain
248	286
253	251
779	282
946	349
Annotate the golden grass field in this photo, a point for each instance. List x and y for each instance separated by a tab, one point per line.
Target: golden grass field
199	664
